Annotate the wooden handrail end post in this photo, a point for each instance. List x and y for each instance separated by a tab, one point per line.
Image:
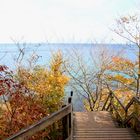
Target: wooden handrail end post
71	93
69	100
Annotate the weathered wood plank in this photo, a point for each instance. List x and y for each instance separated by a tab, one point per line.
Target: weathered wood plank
106	139
99	126
106	136
93	119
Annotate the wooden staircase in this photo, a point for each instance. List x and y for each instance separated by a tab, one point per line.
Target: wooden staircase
95	125
99	126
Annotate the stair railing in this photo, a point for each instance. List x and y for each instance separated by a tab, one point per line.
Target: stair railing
128	118
65	115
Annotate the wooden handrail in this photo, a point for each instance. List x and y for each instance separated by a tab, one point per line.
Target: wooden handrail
64	114
42	124
134	99
112	107
132	116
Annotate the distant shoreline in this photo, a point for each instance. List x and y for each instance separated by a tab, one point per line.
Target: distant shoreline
63	43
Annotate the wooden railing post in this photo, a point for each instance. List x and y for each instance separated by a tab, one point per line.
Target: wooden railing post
111	102
71	119
136	112
64	123
68	125
71	93
70	98
126	111
70	116
68	121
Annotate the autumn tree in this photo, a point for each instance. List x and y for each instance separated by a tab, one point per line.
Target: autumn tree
19	108
128	27
47	83
122	76
30	94
88	74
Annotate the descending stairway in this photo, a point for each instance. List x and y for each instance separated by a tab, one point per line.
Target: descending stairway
99	126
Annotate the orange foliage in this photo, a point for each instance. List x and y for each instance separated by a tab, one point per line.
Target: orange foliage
33	95
19	107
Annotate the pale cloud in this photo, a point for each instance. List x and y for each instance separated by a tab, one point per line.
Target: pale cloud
60	20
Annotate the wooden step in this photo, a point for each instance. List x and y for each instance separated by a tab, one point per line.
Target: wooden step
106	136
99	126
93	119
104	129
106	139
103	132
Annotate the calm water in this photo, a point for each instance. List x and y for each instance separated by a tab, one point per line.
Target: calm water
10	52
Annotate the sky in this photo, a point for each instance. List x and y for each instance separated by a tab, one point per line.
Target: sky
58	21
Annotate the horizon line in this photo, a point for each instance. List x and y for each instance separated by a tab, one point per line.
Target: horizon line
68	43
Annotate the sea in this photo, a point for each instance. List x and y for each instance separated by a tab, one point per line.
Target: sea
16	53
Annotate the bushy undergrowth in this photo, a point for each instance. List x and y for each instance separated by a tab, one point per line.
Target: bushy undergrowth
29	95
